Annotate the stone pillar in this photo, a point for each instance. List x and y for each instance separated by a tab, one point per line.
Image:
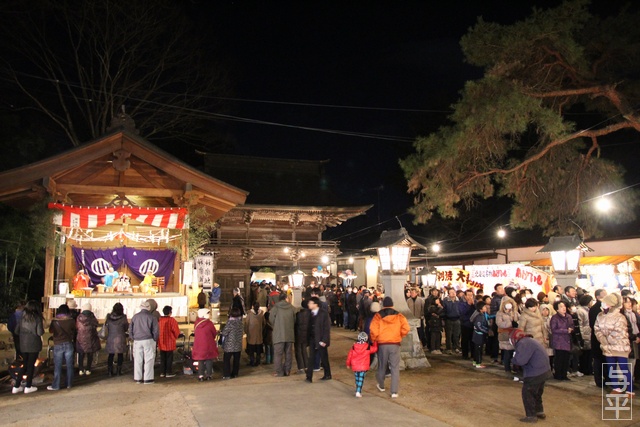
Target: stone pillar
565	280
411	354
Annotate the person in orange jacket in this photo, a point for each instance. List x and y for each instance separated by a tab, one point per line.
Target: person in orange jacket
388	327
359	359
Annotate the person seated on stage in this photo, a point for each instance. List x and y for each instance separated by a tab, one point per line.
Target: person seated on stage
123	283
81	280
147	282
109	279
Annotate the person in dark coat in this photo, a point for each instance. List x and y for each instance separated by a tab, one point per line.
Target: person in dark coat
302	337
532	357
63	330
237	302
30	329
14	319
117	325
202	299
319	337
87	341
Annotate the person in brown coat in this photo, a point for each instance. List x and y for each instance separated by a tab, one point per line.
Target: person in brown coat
254	327
87	341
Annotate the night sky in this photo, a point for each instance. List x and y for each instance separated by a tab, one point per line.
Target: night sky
398	61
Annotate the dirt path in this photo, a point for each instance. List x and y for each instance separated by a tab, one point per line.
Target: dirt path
450	392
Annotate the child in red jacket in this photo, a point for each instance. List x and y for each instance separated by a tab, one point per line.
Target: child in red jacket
359	359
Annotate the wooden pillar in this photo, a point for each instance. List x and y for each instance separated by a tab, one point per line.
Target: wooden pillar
49	269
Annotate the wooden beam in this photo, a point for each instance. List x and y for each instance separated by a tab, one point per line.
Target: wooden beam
111	189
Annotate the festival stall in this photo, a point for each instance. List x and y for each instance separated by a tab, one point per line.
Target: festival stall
607	272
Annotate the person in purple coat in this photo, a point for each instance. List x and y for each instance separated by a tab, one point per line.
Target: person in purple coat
561	326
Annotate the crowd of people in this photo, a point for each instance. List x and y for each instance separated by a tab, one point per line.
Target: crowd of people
575	331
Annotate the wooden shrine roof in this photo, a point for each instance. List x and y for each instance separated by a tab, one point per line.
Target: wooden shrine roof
118	165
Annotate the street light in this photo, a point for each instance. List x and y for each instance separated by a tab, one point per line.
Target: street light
565	256
394	253
296	278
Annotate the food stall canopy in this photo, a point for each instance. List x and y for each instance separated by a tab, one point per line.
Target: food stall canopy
592	260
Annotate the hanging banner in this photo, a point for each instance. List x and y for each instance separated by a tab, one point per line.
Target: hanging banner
94	217
96	262
204	266
518	276
486	277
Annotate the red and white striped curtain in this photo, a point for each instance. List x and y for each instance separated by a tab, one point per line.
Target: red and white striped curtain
94	217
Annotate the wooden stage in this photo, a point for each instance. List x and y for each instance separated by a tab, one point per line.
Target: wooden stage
102	303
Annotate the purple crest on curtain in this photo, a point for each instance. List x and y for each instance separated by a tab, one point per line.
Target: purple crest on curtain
96	262
159	262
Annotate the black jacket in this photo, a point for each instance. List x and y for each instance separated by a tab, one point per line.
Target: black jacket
596	351
321	329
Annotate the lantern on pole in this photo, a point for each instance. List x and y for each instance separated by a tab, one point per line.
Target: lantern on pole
394	254
565	257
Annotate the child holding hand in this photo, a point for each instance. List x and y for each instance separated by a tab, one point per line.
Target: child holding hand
359	359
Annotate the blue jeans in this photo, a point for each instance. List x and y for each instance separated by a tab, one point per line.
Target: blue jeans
62	352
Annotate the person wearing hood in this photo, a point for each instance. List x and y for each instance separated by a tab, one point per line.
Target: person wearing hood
153	308
359	359
117	325
506	319
63	330
532	323
612	332
532	357
87	341
561	328
283	321
144	332
388	328
205	348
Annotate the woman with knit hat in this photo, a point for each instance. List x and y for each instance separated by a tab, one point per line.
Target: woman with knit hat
612	332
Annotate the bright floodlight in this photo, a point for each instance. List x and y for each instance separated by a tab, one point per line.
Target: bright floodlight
502	234
435	247
603	204
325	259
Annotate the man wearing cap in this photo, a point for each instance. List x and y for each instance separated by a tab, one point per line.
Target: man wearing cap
144	332
532	357
388	327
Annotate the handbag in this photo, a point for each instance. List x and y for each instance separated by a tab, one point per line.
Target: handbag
576	350
103	333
